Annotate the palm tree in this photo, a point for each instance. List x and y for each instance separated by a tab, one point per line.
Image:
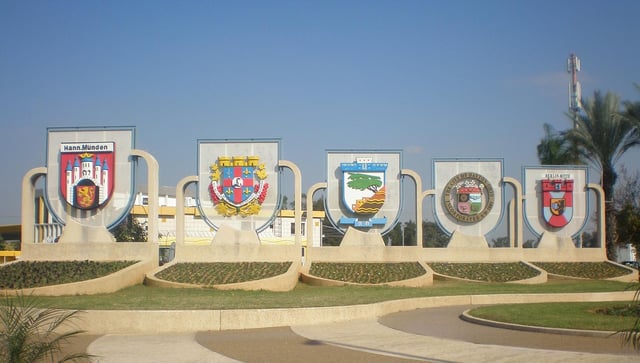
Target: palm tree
30	334
602	135
555	149
632	109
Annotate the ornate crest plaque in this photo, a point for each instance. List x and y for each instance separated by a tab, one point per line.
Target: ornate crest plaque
363	191
238	185
557	201
468	197
87	173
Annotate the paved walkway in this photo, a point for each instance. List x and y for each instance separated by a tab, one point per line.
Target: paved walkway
433	335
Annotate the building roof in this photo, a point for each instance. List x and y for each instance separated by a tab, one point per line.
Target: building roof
142	210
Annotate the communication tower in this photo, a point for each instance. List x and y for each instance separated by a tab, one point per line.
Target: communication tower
575	92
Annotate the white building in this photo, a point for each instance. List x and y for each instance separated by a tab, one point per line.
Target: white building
626	253
197	231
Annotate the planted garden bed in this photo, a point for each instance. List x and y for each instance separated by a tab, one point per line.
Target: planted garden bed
367	273
30	274
220	273
585	270
489	272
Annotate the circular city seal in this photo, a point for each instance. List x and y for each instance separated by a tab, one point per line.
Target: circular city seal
468	197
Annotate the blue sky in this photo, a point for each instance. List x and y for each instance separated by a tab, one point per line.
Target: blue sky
433	78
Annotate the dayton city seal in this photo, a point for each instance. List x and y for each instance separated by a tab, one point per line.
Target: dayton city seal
468	197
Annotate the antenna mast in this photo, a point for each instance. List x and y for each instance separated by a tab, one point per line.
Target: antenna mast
575	91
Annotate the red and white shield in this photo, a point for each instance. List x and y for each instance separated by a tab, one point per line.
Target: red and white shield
557	201
87	173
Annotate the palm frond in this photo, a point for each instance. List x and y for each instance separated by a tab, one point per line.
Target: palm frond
32	334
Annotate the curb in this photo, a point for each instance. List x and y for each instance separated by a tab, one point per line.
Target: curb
466	316
172	321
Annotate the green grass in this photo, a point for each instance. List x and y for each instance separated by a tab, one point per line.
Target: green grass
568	315
581	315
141	297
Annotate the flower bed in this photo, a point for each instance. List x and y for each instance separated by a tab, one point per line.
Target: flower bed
30	274
367	273
220	273
585	270
489	272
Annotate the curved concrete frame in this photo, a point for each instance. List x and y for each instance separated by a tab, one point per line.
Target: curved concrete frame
515	214
314	188
419	197
28	196
180	188
297	197
152	190
424	194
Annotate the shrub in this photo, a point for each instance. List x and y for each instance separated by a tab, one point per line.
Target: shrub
30	334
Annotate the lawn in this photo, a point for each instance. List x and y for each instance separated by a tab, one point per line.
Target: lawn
581	315
563	315
141	297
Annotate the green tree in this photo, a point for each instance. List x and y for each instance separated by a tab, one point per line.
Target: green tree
318	204
330	235
600	136
627	203
590	239
303	202
364	181
410	233
394	236
129	230
627	189
500	241
632	108
31	334
402	234
433	236
291	205
556	149
284	202
628	220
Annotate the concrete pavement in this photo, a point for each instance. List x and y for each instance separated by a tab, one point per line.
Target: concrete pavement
433	335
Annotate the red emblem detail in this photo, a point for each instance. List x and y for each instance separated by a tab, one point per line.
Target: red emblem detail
557	201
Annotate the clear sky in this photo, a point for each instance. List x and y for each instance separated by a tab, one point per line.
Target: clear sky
433	78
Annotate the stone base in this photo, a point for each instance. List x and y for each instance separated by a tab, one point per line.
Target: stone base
550	240
227	235
354	237
459	239
74	232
